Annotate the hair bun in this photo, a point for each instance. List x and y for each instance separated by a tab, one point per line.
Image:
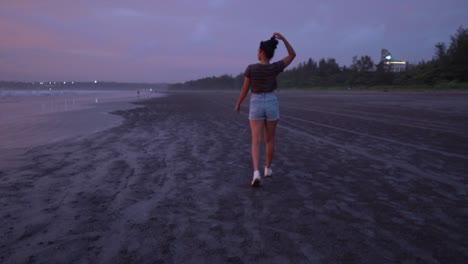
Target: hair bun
269	46
274	42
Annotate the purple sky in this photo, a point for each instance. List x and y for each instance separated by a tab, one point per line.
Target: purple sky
179	40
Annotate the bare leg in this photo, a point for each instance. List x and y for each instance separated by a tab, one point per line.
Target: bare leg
256	127
270	130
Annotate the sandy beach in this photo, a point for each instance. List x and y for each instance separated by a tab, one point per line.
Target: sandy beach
359	177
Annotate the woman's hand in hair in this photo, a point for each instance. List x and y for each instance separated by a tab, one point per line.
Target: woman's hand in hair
278	36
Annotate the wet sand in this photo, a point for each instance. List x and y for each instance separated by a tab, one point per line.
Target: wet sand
358	178
32	118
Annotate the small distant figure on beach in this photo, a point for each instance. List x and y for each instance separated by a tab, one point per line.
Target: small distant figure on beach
138	93
260	79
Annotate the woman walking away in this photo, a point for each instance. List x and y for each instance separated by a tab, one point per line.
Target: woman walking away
260	78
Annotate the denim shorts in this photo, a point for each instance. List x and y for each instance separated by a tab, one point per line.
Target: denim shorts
264	106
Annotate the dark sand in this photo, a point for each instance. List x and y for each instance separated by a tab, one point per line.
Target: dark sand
358	178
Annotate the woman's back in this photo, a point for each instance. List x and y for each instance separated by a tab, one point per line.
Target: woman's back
263	76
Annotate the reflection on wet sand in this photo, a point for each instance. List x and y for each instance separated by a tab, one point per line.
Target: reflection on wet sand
31	119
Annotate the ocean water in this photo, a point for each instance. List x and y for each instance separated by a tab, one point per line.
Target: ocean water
29	118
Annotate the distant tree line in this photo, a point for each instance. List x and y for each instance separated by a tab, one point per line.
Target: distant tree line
448	66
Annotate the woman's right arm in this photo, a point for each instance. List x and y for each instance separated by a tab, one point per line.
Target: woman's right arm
291	53
243	93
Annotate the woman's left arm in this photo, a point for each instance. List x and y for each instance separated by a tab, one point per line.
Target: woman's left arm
291	53
243	93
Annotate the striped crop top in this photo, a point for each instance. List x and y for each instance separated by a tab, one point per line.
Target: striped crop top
263	76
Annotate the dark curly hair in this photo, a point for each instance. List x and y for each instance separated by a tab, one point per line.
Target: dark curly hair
269	47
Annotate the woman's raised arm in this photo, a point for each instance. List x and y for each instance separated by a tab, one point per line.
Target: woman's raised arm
291	53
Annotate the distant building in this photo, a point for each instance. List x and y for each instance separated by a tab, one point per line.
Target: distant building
392	64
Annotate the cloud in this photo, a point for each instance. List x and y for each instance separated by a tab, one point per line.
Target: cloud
312	27
363	34
217	3
91	53
201	33
127	12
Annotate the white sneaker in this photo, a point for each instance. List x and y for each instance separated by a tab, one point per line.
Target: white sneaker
268	172
256	179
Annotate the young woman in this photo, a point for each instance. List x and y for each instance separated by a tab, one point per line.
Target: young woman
260	78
